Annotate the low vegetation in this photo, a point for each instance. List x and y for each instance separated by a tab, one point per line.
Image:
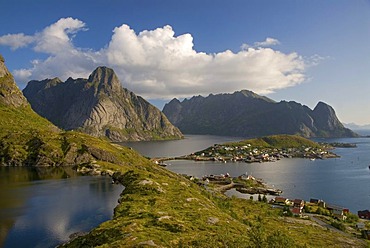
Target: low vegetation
161	208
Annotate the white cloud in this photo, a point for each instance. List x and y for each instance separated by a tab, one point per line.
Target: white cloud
158	64
268	42
16	41
56	38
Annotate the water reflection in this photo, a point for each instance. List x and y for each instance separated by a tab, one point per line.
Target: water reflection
43	213
172	148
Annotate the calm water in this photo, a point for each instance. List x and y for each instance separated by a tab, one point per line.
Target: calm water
343	181
172	148
42	207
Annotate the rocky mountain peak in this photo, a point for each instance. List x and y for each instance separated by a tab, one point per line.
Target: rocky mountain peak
9	92
3	70
251	94
325	116
99	106
105	77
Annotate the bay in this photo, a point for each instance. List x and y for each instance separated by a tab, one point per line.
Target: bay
343	181
174	148
42	207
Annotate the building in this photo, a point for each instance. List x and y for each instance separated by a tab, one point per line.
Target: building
364	214
298	203
318	202
281	200
338	212
297	211
360	225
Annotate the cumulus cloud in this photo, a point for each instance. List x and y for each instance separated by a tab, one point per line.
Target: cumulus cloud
57	38
266	43
16	41
157	64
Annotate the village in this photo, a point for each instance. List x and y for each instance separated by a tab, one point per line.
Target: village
251	154
324	214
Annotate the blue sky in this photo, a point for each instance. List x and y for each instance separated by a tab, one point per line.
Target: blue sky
306	51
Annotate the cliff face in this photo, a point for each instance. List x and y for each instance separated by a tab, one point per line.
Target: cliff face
99	106
9	93
247	114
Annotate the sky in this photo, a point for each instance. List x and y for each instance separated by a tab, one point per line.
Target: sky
293	50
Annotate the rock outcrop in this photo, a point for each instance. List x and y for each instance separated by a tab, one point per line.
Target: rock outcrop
9	92
99	106
247	114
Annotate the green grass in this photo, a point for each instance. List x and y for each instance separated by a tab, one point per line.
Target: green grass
171	211
277	141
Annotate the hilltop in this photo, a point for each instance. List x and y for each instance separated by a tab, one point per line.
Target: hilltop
247	114
99	106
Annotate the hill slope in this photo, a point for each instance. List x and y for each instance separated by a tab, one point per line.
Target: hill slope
99	106
247	114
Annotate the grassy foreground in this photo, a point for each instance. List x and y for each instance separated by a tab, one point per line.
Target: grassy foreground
160	208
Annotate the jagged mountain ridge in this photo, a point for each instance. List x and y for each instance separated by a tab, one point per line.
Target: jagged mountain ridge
247	114
99	106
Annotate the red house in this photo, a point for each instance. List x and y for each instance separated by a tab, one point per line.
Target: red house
364	214
298	203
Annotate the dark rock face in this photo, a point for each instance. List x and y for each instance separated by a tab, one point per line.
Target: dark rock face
99	106
10	94
247	114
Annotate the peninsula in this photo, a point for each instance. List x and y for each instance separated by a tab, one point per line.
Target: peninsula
264	149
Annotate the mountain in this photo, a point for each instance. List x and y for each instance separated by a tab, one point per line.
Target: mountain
9	93
247	114
99	106
355	126
27	139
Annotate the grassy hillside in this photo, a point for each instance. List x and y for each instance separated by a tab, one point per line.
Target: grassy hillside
160	208
278	141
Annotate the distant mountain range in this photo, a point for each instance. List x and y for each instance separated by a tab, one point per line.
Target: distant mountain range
247	114
355	126
99	106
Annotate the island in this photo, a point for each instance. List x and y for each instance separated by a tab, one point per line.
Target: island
264	149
